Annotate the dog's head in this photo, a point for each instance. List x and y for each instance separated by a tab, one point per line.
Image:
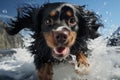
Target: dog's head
61	24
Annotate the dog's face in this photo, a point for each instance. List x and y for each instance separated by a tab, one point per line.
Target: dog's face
59	27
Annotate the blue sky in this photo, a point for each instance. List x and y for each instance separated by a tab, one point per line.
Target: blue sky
109	10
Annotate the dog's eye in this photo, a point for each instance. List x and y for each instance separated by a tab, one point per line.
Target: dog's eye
72	21
48	21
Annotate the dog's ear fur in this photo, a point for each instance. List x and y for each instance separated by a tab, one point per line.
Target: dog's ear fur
26	18
91	22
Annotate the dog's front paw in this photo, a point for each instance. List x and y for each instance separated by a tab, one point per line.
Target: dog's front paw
82	69
81	65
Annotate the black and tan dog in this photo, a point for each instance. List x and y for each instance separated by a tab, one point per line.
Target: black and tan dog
59	29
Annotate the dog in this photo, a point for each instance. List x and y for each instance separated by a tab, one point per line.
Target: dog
60	29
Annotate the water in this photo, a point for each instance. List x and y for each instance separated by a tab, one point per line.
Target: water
104	65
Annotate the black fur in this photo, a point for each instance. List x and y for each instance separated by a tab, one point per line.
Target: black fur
31	18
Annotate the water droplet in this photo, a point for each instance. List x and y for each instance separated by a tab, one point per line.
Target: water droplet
4	11
104	3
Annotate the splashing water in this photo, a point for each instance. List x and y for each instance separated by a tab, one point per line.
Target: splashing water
104	64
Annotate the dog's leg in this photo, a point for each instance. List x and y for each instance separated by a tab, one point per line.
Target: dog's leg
81	65
45	72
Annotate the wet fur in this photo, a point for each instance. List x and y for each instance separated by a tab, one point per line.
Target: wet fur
31	17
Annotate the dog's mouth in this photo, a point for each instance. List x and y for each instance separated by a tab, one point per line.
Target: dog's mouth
60	43
61	52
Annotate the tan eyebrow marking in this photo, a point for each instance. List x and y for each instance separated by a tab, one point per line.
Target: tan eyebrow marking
69	13
52	13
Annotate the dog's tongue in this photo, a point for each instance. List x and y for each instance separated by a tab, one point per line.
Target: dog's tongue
61	50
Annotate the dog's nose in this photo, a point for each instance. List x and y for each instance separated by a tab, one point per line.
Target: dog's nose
60	37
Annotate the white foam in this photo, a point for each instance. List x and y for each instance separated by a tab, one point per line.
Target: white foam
104	64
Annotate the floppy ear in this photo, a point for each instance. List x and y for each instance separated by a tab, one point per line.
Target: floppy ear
26	18
91	22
